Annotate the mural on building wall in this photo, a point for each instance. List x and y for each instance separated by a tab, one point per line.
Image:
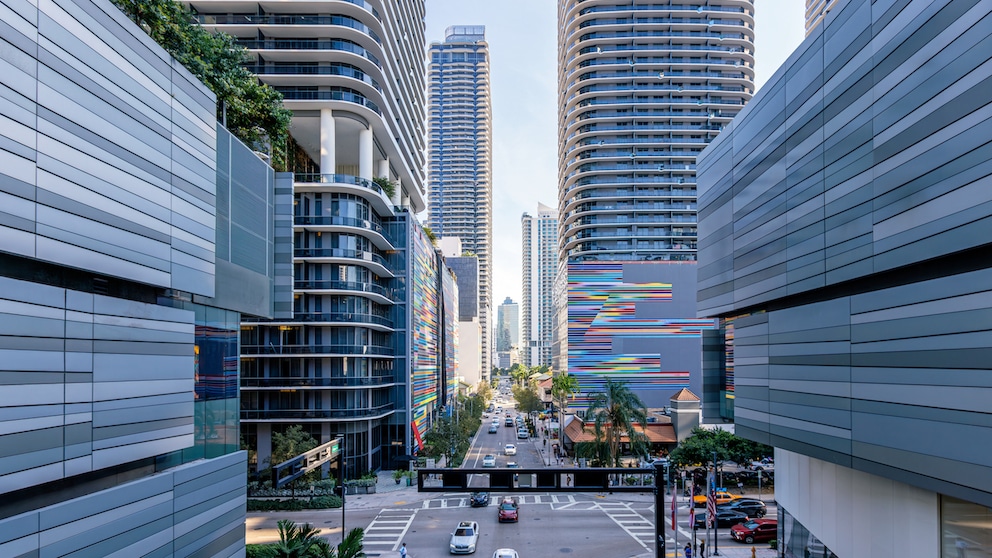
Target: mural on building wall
425	336
633	325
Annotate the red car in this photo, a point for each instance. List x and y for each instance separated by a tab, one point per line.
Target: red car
755	530
507	510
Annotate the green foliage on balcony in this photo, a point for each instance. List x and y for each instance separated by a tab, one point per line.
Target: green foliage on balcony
251	110
387	185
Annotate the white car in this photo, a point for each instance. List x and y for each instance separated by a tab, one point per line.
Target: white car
505	553
510	449
489	461
523	434
464	538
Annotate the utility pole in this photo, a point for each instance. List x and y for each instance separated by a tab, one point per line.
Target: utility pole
716	525
659	511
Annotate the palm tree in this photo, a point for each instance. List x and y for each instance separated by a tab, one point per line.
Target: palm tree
303	541
615	411
563	387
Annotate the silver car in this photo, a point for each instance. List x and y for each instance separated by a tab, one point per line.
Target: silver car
506	553
464	538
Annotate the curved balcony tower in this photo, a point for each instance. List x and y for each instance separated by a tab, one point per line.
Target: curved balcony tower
643	87
353	73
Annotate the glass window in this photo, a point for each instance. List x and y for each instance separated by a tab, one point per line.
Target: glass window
965	528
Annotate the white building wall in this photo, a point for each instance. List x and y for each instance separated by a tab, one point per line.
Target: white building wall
469	351
856	514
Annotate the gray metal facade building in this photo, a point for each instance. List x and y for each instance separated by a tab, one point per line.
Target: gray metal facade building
125	213
846	222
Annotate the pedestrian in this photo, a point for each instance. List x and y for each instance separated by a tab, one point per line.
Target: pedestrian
702	548
961	546
740	486
568	480
688	550
403	551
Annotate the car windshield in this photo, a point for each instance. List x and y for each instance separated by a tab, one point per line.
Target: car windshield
507	506
751	525
463	532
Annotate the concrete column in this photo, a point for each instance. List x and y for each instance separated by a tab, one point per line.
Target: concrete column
365	154
397	198
328	162
383	170
264	442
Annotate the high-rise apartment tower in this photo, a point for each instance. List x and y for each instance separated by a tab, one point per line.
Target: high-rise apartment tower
816	10
643	88
540	262
460	155
353	73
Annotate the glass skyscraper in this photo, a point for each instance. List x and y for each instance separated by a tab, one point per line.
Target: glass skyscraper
460	156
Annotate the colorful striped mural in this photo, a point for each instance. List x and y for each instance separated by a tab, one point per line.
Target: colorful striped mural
425	335
633	332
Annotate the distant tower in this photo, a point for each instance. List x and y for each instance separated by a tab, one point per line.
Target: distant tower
508	330
540	263
460	154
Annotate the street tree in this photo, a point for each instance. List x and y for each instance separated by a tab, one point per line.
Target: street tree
294	441
527	399
615	411
563	388
703	443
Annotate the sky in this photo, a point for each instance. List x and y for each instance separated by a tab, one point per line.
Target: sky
522	37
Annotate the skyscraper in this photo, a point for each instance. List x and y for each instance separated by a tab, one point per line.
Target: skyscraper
354	76
508	325
642	89
460	155
540	263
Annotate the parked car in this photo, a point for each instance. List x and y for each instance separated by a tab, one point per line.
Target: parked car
479	499
464	538
724	518
489	460
493	429
505	553
748	506
722	497
509	449
756	530
508	510
522	434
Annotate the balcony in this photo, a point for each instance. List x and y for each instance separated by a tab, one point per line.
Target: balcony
315	182
317	383
308	44
382	294
287	19
344	318
316	414
321	350
381	238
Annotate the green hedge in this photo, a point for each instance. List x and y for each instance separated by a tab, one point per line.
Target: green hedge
315	503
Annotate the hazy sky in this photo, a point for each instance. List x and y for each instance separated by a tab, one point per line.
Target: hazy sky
522	36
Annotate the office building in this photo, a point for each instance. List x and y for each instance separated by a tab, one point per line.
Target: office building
459	172
643	88
539	236
508	334
345	364
857	277
466	270
134	232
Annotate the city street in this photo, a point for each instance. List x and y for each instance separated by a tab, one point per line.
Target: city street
578	524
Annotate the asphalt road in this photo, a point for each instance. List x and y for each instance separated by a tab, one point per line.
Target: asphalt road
571	524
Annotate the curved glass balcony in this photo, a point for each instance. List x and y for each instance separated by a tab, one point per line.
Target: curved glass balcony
319	285
318	414
287	19
308	70
278	383
307	44
343	317
340	253
292	94
369	350
328	221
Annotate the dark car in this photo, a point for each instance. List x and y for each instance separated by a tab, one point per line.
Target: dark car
479	499
724	518
747	506
756	530
492	429
508	510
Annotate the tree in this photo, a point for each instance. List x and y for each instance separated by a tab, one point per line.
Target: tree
251	110
289	444
303	541
700	446
519	373
563	387
615	411
485	391
527	399
387	185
